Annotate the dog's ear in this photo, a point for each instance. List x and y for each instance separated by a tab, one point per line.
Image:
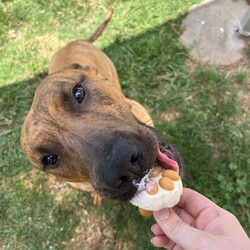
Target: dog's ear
92	71
140	112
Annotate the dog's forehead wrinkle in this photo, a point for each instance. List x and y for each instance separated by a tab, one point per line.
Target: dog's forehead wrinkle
72	135
60	77
61	99
56	86
75	77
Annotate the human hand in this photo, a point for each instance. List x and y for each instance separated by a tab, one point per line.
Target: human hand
198	223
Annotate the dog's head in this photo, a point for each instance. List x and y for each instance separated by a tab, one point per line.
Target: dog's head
81	128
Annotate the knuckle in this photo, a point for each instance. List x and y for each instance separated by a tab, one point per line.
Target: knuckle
177	227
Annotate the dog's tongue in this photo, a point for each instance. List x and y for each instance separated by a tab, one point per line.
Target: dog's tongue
164	161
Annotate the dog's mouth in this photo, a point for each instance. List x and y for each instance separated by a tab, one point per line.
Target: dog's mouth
165	158
163	154
167	155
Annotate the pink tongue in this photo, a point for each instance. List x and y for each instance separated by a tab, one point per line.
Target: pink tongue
166	162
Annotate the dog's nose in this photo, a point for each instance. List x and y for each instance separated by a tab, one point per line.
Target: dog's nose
122	164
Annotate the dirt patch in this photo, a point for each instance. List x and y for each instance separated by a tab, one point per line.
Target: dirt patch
27	178
47	45
13	34
245	101
245	104
217	149
58	189
94	233
168	116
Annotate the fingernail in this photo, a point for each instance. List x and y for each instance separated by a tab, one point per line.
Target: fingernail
153	228
152	240
163	214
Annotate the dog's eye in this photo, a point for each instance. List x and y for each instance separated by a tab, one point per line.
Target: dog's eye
79	94
49	160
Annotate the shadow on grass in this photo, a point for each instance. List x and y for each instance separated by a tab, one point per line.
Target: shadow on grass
152	70
139	61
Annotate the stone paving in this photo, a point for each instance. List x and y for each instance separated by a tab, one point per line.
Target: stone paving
210	31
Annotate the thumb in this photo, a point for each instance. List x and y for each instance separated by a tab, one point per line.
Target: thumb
176	229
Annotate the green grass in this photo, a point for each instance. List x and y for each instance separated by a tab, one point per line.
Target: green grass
198	110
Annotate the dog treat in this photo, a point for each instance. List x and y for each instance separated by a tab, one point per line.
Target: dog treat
158	189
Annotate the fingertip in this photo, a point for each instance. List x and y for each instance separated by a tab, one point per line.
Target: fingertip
153	241
153	227
160	241
174	228
156	230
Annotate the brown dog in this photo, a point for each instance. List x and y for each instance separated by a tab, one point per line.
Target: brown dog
83	130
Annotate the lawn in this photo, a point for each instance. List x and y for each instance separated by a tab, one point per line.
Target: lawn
202	109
